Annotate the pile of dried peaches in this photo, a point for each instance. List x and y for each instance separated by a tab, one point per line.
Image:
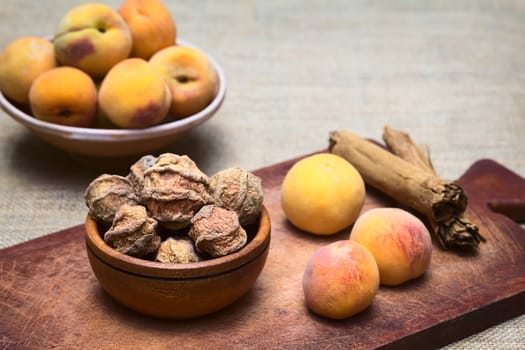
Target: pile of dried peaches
166	209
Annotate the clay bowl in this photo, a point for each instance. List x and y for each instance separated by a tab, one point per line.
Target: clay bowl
178	291
102	147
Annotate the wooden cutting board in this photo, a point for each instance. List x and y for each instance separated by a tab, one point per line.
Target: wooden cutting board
49	298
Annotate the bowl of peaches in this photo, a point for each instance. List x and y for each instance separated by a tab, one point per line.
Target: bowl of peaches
110	83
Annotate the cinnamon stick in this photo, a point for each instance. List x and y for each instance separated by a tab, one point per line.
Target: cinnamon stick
458	230
440	201
400	143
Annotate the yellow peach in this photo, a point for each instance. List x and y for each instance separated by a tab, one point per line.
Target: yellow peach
64	95
92	37
322	194
340	280
134	95
151	25
398	240
191	78
21	62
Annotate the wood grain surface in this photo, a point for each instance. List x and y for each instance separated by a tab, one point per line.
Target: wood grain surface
49	298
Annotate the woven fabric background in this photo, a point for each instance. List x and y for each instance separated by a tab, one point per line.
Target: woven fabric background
451	73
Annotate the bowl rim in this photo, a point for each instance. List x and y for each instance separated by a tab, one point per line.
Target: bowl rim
98	134
179	271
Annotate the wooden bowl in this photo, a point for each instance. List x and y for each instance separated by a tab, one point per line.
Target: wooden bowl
178	290
101	147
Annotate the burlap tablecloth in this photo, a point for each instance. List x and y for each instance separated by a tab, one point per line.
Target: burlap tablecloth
451	73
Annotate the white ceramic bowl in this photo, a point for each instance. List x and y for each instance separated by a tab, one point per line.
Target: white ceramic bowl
103	145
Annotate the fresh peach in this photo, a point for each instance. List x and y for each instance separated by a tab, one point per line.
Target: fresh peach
21	62
134	95
92	37
398	240
151	25
340	280
191	78
322	194
64	95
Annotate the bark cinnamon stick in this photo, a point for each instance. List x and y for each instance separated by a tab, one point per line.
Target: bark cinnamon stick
400	143
456	231
440	201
